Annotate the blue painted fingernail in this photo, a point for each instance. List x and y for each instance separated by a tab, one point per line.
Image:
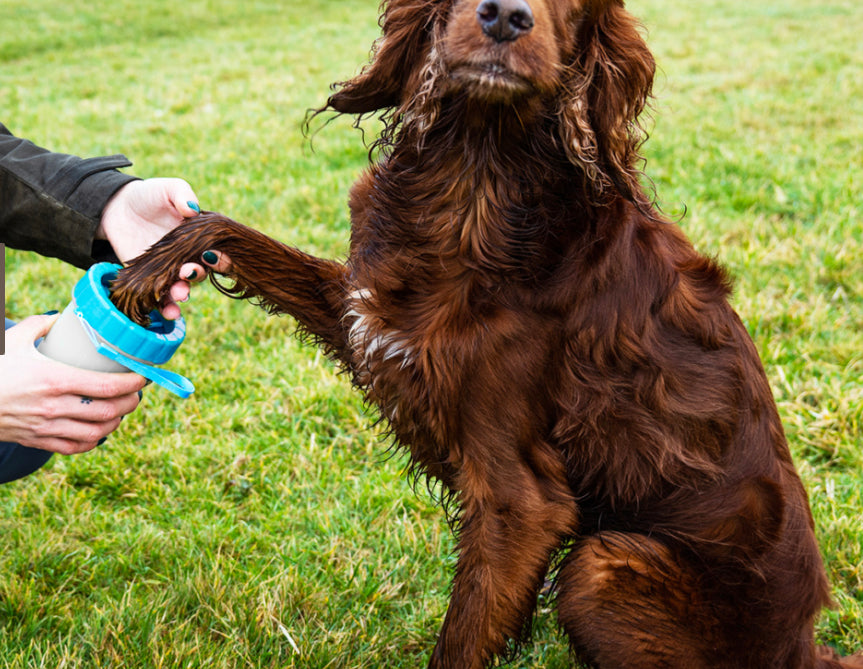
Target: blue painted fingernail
210	258
194	206
193	274
52	312
101	441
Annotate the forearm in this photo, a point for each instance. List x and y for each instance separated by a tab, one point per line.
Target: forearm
51	203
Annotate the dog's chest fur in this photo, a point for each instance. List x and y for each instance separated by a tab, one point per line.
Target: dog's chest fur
439	330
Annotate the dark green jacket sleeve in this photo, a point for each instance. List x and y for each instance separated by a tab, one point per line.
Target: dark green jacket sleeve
51	203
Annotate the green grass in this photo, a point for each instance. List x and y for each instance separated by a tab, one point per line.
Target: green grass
261	523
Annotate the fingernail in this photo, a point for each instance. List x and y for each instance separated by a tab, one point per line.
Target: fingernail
101	441
194	206
193	274
52	312
140	395
210	258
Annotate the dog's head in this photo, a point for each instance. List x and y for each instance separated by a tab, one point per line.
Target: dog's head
581	61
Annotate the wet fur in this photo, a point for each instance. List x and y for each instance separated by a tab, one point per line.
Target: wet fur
546	345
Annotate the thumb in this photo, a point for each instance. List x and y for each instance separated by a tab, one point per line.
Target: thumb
182	197
30	329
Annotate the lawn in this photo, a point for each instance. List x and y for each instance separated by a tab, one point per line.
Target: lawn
262	522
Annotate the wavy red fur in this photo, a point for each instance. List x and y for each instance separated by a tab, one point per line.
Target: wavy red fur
298	282
543	343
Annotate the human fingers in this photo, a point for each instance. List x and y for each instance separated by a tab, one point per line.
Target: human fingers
69	437
217	261
169	307
180	291
177	293
67	380
193	272
67	423
94	410
75	424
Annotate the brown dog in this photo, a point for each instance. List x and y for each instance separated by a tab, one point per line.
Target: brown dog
546	345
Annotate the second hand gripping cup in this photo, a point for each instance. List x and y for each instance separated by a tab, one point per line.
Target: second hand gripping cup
93	334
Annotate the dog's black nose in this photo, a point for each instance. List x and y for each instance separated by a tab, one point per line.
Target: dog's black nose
504	20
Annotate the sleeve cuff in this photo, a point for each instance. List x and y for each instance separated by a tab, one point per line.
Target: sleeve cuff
92	187
88	187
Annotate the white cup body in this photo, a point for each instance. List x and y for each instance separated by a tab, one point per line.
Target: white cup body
68	342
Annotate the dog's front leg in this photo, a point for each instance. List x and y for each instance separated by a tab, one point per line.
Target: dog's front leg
510	524
277	277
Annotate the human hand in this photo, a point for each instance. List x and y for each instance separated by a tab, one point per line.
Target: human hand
55	407
139	215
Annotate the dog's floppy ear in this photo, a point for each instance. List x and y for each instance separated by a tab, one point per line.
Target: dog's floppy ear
407	26
611	81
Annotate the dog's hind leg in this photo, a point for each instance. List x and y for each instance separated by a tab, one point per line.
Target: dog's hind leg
627	600
624	602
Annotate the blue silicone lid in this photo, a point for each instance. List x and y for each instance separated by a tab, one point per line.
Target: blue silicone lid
119	338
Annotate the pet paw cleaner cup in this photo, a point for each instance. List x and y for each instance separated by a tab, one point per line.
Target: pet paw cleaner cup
92	333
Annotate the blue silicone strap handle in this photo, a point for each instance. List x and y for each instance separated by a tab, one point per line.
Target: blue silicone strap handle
177	384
